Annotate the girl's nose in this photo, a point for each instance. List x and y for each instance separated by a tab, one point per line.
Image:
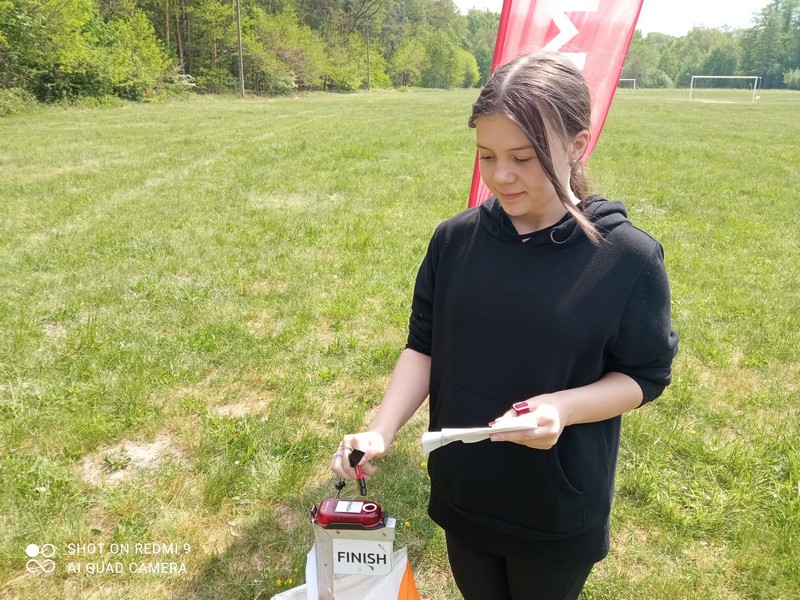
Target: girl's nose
504	172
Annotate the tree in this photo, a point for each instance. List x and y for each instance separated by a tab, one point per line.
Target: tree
71	48
404	20
214	48
408	62
442	15
772	45
724	58
640	59
700	51
643	59
345	72
467	69
284	54
483	26
64	49
136	62
440	69
21	27
792	79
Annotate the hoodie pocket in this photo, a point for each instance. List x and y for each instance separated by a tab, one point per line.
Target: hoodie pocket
501	485
559	476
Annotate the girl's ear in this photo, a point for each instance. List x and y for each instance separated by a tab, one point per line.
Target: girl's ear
579	144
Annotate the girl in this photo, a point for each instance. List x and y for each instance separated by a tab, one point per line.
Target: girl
545	304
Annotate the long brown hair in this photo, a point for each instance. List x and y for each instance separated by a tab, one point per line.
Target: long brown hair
539	88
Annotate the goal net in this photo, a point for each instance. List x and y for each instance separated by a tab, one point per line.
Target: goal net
724	88
626	84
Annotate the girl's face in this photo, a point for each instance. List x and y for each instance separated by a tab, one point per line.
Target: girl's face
512	172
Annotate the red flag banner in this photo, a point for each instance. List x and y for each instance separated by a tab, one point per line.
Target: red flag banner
594	34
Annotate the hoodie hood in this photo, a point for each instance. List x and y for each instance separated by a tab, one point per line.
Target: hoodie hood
605	214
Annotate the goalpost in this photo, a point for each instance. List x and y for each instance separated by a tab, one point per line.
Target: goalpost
633	82
756	80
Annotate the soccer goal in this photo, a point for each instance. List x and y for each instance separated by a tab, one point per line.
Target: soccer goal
627	84
740	82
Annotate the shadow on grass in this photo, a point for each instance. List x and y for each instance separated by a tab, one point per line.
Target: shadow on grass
269	554
270	549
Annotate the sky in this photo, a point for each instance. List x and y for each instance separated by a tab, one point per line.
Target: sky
675	17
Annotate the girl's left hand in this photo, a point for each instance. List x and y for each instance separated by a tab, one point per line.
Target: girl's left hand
548	419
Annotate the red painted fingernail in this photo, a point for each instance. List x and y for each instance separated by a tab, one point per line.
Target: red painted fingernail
522	408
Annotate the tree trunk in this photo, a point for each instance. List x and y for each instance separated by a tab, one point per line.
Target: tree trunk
189	49
239	44
180	43
166	23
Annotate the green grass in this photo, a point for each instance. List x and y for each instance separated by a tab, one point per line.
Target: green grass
201	297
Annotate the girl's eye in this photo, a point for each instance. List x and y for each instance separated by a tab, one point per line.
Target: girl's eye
524	160
482	157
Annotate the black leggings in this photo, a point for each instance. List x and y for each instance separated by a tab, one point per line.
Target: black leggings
483	576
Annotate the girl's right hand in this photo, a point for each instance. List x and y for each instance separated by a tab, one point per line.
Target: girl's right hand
370	443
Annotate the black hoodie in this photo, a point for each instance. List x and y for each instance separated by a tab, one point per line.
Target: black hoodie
506	317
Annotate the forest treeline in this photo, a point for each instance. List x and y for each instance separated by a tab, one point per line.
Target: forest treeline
55	50
769	49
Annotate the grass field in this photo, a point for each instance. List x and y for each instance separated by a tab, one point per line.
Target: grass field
200	297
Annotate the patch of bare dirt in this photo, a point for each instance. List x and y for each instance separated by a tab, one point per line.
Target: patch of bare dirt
54	330
239	410
118	463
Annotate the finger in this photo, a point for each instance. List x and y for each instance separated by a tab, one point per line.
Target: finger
520	437
341	467
517	409
338	466
372	445
363	443
360	458
369	469
351	444
544	437
509	414
339	461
